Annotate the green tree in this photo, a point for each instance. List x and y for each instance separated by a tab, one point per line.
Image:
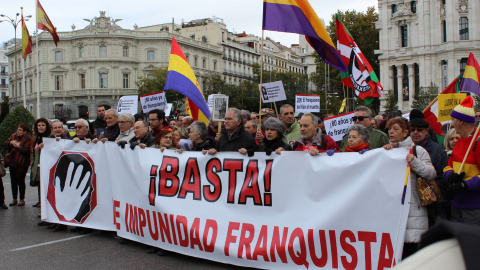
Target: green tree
424	97
391	101
155	82
5	109
12	120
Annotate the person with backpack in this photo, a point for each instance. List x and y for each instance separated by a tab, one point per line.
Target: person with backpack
312	140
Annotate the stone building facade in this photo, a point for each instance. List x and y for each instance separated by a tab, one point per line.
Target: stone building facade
423	43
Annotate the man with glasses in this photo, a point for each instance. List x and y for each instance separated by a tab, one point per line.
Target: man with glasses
363	116
81	131
125	123
254	117
157	121
477	118
142	136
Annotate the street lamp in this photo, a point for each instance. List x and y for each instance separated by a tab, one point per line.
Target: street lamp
14	23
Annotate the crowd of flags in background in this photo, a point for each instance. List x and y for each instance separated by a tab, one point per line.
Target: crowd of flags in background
292	16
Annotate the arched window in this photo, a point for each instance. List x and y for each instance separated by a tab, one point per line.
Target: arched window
463	28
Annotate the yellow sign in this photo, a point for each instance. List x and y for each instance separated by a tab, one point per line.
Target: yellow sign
446	103
343	105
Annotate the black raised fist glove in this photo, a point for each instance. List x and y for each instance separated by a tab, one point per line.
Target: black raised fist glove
122	144
454	178
133	144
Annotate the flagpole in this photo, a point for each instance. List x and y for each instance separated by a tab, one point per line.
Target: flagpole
38	60
24	61
261	85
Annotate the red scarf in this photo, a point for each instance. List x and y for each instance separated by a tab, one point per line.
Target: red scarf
357	148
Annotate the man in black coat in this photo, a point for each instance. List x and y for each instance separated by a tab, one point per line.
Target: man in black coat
234	136
99	124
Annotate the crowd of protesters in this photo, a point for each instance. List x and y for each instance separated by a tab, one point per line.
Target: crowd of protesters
249	132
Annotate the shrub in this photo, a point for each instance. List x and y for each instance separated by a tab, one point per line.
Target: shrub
12	120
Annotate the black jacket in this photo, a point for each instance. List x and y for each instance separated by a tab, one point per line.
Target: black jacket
271	146
99	125
202	146
239	139
148	140
111	133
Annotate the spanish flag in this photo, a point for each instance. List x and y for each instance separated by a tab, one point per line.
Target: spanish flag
44	23
298	16
26	41
180	78
471	76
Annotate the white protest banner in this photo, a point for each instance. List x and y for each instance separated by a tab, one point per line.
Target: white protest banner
307	103
153	101
128	104
272	92
233	208
168	109
336	126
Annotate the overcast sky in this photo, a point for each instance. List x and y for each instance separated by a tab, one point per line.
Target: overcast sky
239	16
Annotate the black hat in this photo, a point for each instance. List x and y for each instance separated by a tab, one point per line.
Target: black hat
415	113
418	122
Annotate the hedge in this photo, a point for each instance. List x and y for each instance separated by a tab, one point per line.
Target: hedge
12	120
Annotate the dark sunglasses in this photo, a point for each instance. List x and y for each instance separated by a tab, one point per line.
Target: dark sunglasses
419	129
360	118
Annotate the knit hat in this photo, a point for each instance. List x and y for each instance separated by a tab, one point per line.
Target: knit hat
464	111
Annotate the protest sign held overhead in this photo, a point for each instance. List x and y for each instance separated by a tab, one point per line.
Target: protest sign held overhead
446	103
128	104
272	92
307	103
153	101
337	126
220	105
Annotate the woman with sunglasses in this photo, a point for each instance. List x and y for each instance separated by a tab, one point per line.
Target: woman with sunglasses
421	166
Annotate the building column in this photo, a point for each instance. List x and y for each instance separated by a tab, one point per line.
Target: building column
411	84
400	86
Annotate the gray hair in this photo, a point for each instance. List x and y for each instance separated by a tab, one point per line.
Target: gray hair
275	124
378	117
128	117
200	129
115	113
238	113
362	131
56	121
314	118
183	132
85	122
187	117
246	113
253	124
364	109
284	106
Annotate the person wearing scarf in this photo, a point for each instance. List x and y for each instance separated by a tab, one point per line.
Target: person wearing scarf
357	139
273	140
18	159
41	130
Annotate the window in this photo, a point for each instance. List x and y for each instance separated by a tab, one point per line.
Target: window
150	76
394	9
125	80
103	51
82	81
150	56
81	52
58	82
413	6
204	64
58	57
195	61
463	65
215	66
404	34
30	89
125	51
103	80
463	28
444	31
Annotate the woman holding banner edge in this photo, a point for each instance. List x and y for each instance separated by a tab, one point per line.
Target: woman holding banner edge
420	166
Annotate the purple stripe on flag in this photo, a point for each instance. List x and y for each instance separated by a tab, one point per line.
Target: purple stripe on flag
180	83
291	19
470	85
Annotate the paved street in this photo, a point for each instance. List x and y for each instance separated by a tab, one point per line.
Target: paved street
24	245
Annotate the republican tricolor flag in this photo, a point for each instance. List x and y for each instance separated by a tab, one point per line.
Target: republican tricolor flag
180	78
26	40
471	76
360	75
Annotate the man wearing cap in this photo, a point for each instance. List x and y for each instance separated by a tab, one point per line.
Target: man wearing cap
157	121
419	134
292	128
415	113
464	188
363	116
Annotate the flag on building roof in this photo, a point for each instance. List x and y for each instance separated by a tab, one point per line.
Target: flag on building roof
360	75
44	23
180	78
26	40
297	16
471	76
431	112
